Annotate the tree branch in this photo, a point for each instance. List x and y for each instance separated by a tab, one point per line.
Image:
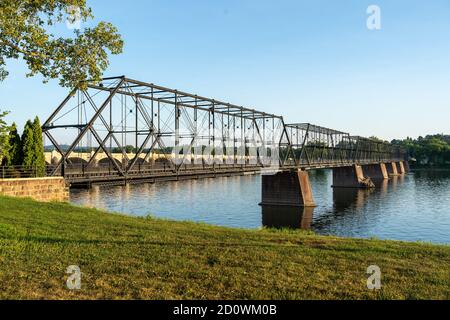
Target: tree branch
23	51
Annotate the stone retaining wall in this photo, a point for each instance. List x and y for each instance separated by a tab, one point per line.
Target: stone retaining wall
40	189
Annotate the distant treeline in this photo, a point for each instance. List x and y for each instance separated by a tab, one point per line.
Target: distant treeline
430	151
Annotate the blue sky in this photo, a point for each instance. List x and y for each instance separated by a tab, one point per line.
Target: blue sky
310	61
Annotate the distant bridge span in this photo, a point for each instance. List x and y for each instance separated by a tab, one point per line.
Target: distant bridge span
122	130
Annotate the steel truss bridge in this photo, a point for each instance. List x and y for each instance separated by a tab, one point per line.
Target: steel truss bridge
122	130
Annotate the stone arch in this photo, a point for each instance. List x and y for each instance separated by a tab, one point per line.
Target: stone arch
162	160
77	161
106	162
162	163
141	161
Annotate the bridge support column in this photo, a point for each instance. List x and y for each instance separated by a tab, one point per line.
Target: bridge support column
406	165
401	167
376	171
287	189
351	177
392	169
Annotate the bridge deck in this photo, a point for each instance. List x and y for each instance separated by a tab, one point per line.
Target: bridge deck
80	176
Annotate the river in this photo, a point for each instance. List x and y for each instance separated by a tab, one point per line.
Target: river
414	207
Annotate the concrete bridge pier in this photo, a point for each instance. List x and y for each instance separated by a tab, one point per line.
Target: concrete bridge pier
392	169
401	167
376	171
351	177
287	188
406	165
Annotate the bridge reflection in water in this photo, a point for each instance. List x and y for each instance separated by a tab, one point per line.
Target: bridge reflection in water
413	207
287	217
345	201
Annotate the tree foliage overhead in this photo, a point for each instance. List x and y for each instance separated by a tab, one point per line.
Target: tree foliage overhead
23	34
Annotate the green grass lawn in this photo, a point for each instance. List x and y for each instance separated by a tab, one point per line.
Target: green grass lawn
135	258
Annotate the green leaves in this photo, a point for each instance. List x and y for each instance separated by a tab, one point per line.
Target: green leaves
431	150
4	139
33	147
72	60
15	152
27	151
84	57
39	158
28	148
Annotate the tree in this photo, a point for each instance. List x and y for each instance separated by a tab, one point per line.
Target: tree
4	141
429	150
28	146
130	149
39	163
374	138
15	151
23	34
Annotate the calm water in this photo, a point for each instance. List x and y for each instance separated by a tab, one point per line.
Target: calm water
413	207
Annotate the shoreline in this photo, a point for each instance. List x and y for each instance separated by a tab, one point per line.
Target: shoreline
261	228
124	257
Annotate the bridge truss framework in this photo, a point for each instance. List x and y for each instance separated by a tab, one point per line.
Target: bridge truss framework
188	131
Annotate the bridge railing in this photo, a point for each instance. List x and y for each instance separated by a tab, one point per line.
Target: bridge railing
16	172
314	145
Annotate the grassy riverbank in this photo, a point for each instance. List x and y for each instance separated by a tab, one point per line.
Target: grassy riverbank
124	257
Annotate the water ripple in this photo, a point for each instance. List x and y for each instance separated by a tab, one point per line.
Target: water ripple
415	207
